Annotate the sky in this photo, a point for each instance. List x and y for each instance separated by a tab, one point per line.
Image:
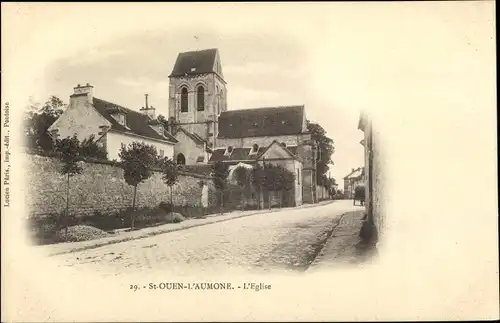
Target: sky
335	58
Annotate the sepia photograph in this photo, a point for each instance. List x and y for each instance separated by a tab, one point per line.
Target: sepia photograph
249	161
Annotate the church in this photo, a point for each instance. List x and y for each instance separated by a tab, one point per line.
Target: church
207	132
200	128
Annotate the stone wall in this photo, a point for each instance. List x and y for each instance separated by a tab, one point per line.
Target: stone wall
378	184
101	187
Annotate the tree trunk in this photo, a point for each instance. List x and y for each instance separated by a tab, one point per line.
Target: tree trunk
260	199
242	200
222	202
67	211
172	204
269	197
132	224
281	198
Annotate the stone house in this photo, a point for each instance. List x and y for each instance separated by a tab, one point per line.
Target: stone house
190	149
278	133
276	153
111	124
197	96
352	180
373	176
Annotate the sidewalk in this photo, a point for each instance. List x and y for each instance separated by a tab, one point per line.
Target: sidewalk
63	248
343	247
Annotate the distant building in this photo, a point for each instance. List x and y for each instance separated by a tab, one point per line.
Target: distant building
352	180
111	124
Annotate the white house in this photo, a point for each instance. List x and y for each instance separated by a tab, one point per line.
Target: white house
112	125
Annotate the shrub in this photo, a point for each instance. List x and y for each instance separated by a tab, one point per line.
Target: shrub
80	233
176	218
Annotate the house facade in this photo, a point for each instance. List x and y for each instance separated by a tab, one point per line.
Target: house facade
373	175
111	124
352	180
190	149
275	153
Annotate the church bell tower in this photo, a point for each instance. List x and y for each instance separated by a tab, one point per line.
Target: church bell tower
197	93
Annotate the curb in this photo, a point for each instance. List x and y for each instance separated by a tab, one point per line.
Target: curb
335	226
154	233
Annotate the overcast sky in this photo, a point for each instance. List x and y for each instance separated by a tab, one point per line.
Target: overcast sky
335	58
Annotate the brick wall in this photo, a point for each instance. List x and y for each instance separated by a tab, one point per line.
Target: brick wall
101	187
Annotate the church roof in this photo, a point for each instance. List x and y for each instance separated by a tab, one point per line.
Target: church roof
271	121
195	62
137	123
197	139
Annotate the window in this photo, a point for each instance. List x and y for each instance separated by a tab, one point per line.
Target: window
255	148
229	150
283	144
162	153
184	100
119	117
200	98
298	176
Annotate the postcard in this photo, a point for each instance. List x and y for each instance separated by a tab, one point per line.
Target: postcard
269	161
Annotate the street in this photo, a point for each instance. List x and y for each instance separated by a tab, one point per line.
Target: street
288	240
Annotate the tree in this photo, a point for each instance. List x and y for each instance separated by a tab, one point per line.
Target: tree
243	179
276	178
69	149
137	161
90	148
257	180
325	150
285	181
329	185
220	172
170	176
36	123
163	120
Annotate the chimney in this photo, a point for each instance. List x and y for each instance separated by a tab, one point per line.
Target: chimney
147	110
82	94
